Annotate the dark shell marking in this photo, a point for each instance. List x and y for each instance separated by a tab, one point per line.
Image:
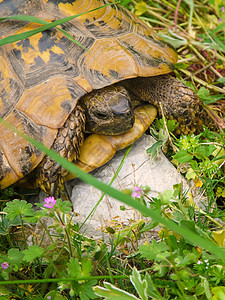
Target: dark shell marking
43	77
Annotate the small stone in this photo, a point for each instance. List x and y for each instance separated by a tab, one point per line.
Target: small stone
138	169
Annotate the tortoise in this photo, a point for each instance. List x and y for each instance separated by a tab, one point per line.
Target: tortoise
55	90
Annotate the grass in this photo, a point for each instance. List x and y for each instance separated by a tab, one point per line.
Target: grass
187	260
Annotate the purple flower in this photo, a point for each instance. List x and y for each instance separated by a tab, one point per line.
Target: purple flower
220	20
49	202
137	192
222	8
5	265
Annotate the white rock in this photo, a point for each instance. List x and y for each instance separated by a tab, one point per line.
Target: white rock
159	174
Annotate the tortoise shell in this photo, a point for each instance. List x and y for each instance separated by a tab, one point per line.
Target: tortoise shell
43	77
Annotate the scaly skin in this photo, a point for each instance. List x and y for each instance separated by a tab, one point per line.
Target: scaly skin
178	101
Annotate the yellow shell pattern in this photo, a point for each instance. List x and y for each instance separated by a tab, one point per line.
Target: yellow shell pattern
43	77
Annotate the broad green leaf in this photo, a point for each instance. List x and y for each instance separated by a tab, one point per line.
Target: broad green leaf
110	292
205	150
170	124
165	197
218	292
6	224
219	237
15	256
5	293
150	251
32	252
199	289
54	295
86	291
206	289
74	268
63	206
175	40
81	288
86	267
183	156
18	208
152	290
191	225
153	151
205	96
140	285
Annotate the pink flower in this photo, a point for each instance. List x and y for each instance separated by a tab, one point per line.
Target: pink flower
5	265
49	202
137	192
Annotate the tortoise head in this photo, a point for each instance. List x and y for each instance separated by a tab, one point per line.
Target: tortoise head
108	111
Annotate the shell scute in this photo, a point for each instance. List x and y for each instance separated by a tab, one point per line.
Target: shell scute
43	77
45	103
10	89
22	156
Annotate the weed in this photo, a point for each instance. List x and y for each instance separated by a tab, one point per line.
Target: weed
186	258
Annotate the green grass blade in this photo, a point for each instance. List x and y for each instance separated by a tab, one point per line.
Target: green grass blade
47	280
25	18
218	28
111	182
39	21
124	198
47	25
220	44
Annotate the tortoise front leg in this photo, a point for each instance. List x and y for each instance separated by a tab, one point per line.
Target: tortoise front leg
49	174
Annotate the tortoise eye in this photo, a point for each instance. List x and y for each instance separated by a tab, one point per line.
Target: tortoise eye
101	115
